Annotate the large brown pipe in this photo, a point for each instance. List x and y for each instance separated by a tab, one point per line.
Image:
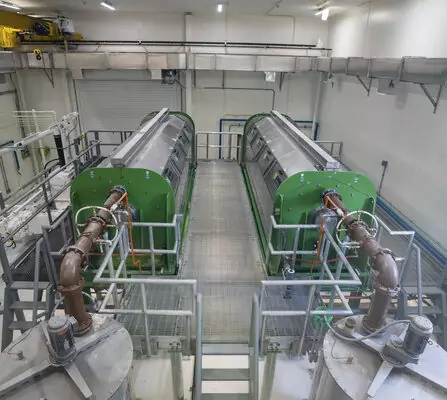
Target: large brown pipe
71	281
386	280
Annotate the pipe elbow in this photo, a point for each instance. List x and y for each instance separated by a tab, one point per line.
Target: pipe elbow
70	270
387	271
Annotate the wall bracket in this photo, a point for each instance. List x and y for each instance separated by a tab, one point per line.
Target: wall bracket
434	101
366	85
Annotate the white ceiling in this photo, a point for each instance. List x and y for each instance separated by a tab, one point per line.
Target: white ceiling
262	7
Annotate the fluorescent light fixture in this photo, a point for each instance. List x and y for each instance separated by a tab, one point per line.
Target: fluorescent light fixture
9	5
219	8
108	5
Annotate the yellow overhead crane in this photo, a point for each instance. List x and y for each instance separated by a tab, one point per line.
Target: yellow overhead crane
17	29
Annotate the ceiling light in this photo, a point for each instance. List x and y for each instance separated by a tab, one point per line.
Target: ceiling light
9	5
324	13
219	8
108	5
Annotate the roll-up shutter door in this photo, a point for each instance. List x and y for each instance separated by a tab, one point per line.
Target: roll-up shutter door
122	104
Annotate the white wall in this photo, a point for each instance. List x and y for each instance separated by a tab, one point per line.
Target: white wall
397	28
129	25
296	98
39	94
400	129
247	94
10	130
197	27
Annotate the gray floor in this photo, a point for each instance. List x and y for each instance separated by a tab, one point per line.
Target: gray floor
222	251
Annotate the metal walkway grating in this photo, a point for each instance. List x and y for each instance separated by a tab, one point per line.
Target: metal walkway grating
222	251
158	298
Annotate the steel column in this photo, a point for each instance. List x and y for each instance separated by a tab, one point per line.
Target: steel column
269	375
177	372
198	364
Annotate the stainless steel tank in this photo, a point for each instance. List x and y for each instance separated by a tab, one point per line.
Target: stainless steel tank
276	149
348	371
99	371
164	143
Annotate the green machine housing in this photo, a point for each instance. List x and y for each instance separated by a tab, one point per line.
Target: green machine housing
156	166
286	174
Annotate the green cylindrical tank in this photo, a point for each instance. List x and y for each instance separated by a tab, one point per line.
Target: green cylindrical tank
286	174
156	166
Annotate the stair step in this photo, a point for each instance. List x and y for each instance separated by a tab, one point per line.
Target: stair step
225	374
426	310
225	361
225	348
27	305
425	290
29	285
437	330
225	387
21	325
225	396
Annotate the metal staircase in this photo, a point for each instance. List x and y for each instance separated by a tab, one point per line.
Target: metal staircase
225	371
24	281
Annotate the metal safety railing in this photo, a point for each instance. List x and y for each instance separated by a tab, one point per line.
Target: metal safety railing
118	276
402	260
39	186
334	148
219	143
106	141
122	239
326	278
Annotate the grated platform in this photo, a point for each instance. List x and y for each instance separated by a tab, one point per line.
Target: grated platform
222	251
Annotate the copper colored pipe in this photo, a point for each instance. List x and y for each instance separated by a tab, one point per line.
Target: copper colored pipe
71	282
386	280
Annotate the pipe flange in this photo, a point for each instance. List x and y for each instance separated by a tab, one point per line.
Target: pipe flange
119	189
95	218
330	191
69	290
389	291
74	249
368	328
82	329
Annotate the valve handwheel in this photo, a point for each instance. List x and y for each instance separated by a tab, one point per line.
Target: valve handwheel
95	210
372	228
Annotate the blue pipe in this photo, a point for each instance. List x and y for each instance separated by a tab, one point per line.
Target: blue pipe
419	239
222	120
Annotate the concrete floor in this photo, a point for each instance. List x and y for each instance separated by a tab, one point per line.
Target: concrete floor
151	379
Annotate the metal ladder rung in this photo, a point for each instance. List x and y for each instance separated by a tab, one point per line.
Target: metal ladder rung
426	310
225	349
21	325
25	285
225	396
212	374
426	290
27	305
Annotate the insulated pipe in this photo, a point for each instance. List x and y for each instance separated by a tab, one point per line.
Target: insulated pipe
71	282
386	280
